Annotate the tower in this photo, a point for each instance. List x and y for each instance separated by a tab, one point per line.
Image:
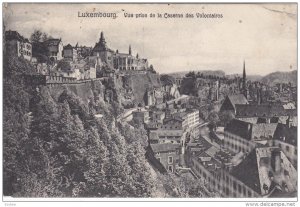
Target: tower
102	40
129	49
244	87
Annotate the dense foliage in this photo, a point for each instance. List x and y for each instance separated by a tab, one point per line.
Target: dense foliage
60	148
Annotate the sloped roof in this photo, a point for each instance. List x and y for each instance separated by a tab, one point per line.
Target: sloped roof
14	35
263	110
165	147
163	132
256	171
247	172
263	130
53	41
248	130
237	99
153	135
286	134
239	128
68	46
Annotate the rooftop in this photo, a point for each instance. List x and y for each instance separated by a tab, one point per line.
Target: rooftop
165	147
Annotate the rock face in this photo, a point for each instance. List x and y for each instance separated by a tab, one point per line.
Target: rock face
129	90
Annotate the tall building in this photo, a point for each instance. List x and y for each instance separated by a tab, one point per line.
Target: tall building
17	45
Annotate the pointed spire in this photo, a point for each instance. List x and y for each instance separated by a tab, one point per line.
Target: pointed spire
129	49
244	72
244	89
102	40
137	55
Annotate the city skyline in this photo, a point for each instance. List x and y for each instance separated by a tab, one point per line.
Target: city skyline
172	44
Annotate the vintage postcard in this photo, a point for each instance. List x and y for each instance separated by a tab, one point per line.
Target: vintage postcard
154	100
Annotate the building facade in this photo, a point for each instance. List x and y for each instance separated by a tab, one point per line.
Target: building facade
55	49
17	45
168	155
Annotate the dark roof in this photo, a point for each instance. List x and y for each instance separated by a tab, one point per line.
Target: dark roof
265	110
68	46
165	147
286	134
239	128
249	131
237	99
247	172
14	35
256	170
53	41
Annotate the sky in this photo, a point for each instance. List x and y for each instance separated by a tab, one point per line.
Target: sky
264	35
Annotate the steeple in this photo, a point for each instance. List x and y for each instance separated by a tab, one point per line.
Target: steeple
244	89
102	40
129	49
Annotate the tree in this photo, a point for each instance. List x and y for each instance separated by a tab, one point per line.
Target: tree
213	119
36	36
97	161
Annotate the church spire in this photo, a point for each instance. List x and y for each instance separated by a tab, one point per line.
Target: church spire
102	40
129	49
244	80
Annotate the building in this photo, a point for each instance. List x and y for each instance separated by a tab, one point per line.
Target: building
168	155
162	136
157	116
70	52
140	116
285	137
101	50
267	113
55	48
213	166
265	171
190	118
154	96
231	101
116	60
243	136
18	46
271	172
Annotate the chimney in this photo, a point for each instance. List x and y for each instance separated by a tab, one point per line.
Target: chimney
276	160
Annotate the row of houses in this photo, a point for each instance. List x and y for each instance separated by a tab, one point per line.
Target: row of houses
168	132
56	52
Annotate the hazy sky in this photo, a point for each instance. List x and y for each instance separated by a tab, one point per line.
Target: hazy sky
264	35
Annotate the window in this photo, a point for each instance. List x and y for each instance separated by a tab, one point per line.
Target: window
170	160
170	168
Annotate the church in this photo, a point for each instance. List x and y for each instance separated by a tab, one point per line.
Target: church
116	60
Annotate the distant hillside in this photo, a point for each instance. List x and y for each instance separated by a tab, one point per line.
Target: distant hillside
249	77
280	77
204	72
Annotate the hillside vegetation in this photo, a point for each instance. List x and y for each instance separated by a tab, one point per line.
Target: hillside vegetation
280	77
